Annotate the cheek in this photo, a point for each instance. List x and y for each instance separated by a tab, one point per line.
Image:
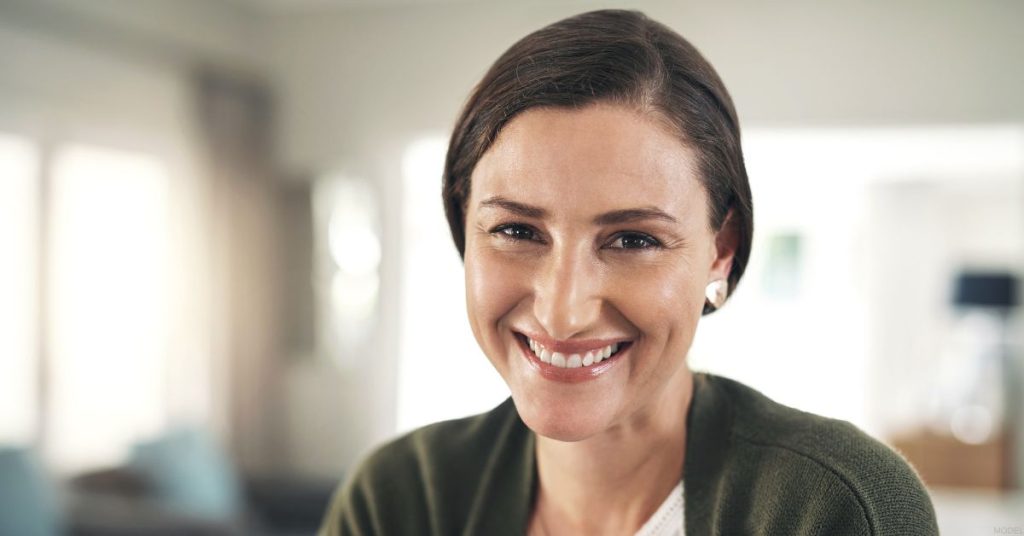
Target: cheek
663	301
493	288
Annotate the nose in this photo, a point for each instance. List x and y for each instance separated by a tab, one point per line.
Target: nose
566	293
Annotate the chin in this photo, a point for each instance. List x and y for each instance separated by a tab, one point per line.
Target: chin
561	422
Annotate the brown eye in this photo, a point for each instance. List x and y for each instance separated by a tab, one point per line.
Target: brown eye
634	241
515	232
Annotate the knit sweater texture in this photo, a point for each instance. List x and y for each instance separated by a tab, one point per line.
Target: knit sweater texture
753	466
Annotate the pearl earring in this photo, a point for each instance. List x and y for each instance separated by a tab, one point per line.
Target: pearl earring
715	293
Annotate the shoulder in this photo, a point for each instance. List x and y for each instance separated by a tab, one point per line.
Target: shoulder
454	447
425	478
839	472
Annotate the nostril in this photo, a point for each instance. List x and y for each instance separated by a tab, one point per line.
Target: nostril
565	315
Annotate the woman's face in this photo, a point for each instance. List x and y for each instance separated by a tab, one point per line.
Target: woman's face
587	232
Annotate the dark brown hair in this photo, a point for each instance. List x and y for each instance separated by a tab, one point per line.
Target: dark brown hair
615	56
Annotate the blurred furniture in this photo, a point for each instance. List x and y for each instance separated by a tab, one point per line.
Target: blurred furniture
28	504
182	483
944	461
975	416
190	474
121	501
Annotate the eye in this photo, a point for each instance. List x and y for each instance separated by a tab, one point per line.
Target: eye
515	232
634	241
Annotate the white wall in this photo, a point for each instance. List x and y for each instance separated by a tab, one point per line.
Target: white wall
168	31
349	79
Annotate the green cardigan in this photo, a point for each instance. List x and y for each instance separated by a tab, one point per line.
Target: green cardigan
752	466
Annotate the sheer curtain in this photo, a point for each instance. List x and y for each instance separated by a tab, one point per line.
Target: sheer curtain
248	229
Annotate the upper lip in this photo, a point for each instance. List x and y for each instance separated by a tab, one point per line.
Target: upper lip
575	346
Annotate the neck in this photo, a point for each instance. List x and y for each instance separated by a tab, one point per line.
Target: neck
612	483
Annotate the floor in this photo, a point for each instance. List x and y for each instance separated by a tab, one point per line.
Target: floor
970	513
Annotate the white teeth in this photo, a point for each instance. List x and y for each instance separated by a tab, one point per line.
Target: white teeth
559	359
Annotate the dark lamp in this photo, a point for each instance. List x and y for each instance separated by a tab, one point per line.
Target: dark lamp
985	289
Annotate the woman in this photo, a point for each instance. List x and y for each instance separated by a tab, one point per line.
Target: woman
595	187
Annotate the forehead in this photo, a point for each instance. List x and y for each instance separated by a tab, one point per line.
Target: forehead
601	154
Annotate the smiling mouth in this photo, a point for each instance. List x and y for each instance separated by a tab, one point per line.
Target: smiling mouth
576	359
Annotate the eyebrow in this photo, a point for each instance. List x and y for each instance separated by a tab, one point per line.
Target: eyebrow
522	209
634	214
608	218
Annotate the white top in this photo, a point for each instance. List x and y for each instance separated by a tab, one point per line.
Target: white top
668	519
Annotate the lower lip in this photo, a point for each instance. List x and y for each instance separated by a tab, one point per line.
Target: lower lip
570	375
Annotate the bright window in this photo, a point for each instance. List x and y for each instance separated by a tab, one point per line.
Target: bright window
835	314
18	289
107	275
443	373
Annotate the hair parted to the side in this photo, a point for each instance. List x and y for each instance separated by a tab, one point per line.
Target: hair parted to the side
619	57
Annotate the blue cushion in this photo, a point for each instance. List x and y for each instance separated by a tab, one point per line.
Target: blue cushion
28	502
190	474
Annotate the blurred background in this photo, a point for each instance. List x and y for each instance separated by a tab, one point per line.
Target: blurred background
225	272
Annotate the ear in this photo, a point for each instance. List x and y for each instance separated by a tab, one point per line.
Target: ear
727	240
